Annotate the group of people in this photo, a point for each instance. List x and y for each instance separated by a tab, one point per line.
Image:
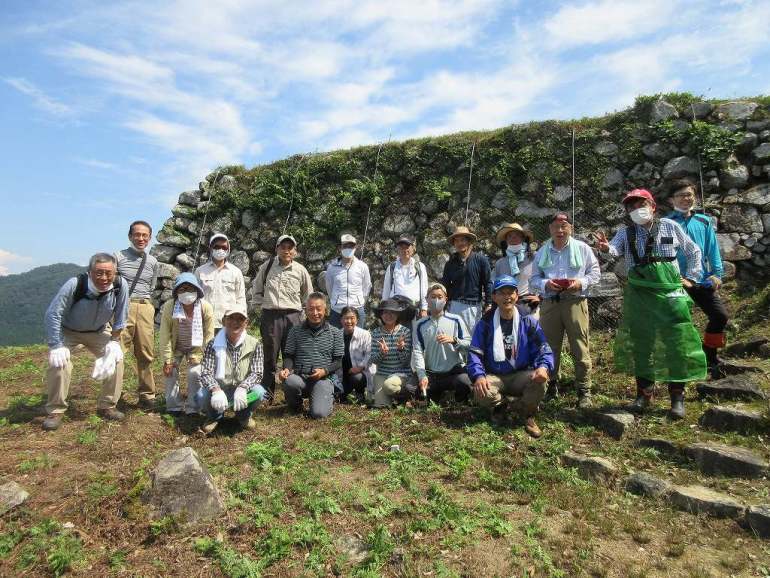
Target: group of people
483	333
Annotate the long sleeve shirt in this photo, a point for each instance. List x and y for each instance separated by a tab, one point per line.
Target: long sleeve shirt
91	313
670	241
588	273
700	229
395	360
430	355
469	280
285	287
309	348
209	365
503	267
222	287
348	284
410	280
128	266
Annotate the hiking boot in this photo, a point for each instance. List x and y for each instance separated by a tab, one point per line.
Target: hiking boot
584	400
640	404
499	416
552	392
532	428
147	403
111	414
677	403
52	421
209	426
248	424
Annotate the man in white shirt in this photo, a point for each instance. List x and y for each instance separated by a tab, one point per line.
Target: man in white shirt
222	282
348	282
407	277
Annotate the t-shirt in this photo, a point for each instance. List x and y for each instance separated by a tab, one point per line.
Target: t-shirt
346	363
506	326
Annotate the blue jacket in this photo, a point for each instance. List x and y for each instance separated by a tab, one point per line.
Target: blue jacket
700	229
533	349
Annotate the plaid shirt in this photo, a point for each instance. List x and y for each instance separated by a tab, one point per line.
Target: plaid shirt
209	366
670	241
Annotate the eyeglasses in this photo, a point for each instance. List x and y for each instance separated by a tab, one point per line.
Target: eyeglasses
103	274
140	235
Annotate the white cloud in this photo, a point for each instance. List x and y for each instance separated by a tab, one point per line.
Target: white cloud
40	99
10	262
97	164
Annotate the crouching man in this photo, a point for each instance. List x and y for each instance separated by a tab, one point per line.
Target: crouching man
232	369
509	360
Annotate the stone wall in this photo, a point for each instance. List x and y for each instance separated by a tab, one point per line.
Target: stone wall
521	173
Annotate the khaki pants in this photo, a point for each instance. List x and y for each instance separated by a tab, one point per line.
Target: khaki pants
137	337
58	380
518	385
568	316
173	398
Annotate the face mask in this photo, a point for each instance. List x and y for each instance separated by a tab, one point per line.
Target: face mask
348	253
220	254
513	250
92	288
187	298
137	249
436	305
642	215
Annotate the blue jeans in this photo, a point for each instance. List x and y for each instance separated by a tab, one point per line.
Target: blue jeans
204	402
335	318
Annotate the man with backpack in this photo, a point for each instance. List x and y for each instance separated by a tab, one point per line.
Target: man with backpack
89	310
407	279
281	287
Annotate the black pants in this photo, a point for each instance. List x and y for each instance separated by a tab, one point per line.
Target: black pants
355	382
456	380
711	304
274	326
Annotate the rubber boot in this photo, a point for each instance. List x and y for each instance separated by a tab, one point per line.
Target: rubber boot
644	391
713	362
552	392
676	391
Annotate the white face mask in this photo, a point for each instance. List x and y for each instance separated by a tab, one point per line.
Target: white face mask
642	215
436	305
92	288
513	250
348	252
137	249
220	254
187	298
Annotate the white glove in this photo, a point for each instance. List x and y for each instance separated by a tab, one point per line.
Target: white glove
239	399
219	401
113	348
58	357
101	368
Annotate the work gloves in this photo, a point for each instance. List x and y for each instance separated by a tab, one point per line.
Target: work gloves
239	399
219	401
104	367
58	357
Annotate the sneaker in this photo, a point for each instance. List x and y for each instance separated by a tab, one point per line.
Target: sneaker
111	414
532	428
52	421
584	401
209	426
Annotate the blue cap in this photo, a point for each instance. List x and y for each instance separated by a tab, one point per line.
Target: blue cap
505	281
183	278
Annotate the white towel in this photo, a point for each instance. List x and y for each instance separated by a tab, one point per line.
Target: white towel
498	347
196	339
220	350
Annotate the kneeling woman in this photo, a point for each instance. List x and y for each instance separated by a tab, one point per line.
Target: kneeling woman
186	326
391	352
358	342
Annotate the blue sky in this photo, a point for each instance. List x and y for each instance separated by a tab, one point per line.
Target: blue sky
111	109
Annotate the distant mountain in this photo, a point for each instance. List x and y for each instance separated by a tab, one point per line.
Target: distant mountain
24	299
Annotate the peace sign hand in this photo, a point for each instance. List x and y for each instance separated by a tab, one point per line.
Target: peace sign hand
383	346
601	241
401	343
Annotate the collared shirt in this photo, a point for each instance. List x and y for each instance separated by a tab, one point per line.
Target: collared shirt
700	229
286	286
588	273
469	280
89	314
430	355
410	280
670	241
503	267
128	265
309	348
395	360
223	288
347	284
209	365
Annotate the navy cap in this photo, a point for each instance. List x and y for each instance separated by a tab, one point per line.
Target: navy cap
505	281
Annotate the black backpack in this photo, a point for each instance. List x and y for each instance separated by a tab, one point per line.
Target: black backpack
81	290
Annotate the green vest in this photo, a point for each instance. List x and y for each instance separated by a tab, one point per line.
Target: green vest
235	375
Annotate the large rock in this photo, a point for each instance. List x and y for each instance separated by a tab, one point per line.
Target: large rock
165	253
701	500
723	460
11	495
181	485
658	151
758	519
700	109
661	445
166	271
614	423
613	179
608	286
680	167
398	225
745	348
725	418
241	260
734	176
591	467
739	110
173	238
733	387
526	208
662	110
184	211
731	249
186	262
732	367
606	148
762	152
644	484
758	195
741	219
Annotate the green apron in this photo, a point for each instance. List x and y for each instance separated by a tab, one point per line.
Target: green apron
656	339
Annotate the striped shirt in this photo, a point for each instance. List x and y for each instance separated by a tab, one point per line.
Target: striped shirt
309	348
395	360
209	366
670	240
184	336
128	265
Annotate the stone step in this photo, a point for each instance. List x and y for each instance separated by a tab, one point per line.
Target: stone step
663	446
746	348
723	460
734	387
615	423
732	367
591	467
727	418
702	500
11	495
644	484
758	520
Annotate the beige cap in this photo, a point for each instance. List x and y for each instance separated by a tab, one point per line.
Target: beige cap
502	233
462	231
235	310
346	238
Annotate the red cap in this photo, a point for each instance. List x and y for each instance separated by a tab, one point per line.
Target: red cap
638	194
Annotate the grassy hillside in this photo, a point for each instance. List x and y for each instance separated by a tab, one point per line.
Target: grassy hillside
24	299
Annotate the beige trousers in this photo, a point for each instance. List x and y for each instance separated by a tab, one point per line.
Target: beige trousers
568	316
518	385
58	380
138	338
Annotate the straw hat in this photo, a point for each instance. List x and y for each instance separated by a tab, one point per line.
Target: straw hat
502	233
462	231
